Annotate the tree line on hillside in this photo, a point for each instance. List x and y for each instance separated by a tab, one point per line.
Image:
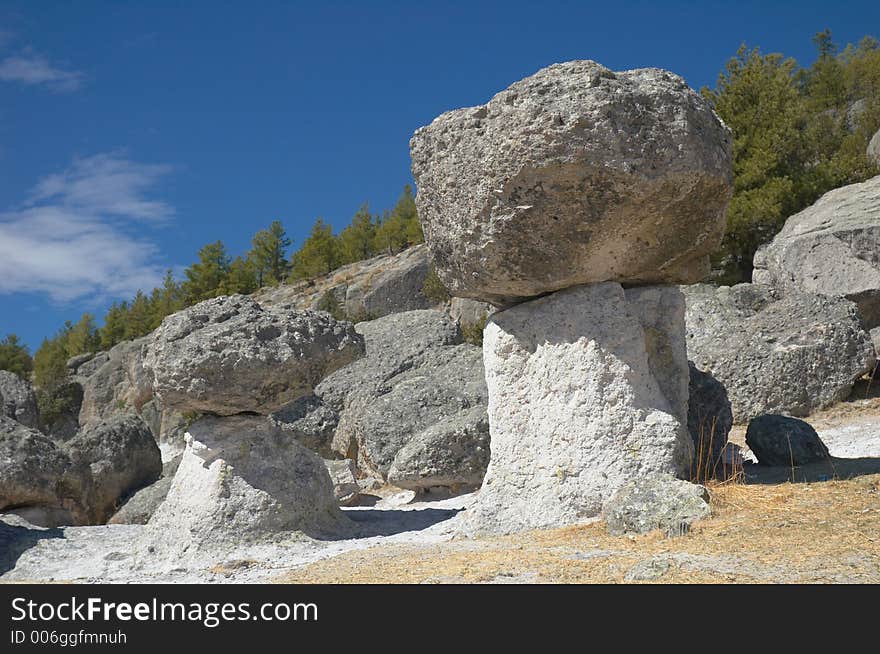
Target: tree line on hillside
798	133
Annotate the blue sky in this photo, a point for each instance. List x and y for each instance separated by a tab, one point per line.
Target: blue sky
132	133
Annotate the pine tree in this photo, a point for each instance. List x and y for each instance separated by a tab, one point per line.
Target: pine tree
83	336
165	300
242	277
15	356
113	331
205	278
318	255
140	317
357	241
401	227
269	255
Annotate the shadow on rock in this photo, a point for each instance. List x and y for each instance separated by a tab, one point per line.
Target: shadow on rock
369	522
829	469
16	540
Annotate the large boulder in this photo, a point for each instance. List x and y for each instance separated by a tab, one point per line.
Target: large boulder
830	248
587	390
229	355
241	480
709	422
35	472
18	400
776	353
418	397
656	502
574	175
784	441
115	457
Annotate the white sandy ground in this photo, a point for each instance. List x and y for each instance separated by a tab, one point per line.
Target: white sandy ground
106	554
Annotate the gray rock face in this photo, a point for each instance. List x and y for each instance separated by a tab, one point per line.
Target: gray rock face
311	422
396	289
118	385
709	421
782	441
418	383
587	390
793	353
874	149
36	472
17	399
241	480
370	289
574	175
452	453
115	457
343	474
82	480
228	355
656	502
830	248
140	506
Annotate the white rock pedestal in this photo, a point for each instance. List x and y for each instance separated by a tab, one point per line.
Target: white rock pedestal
588	389
241	481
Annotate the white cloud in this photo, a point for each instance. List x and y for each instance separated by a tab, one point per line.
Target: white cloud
77	237
34	69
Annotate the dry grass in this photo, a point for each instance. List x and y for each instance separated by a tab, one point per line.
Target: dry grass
824	532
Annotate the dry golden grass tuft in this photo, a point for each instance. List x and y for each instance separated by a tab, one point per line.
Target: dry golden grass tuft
812	533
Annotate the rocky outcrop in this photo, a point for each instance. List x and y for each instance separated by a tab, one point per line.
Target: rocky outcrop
114	458
36	472
311	422
82	480
783	441
776	353
364	290
574	175
114	382
416	401
587	390
343	475
710	419
18	400
830	248
873	151
229	355
140	506
452	453
241	480
656	502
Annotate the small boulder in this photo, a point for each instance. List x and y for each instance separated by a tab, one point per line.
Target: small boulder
343	474
452	453
782	441
656	502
